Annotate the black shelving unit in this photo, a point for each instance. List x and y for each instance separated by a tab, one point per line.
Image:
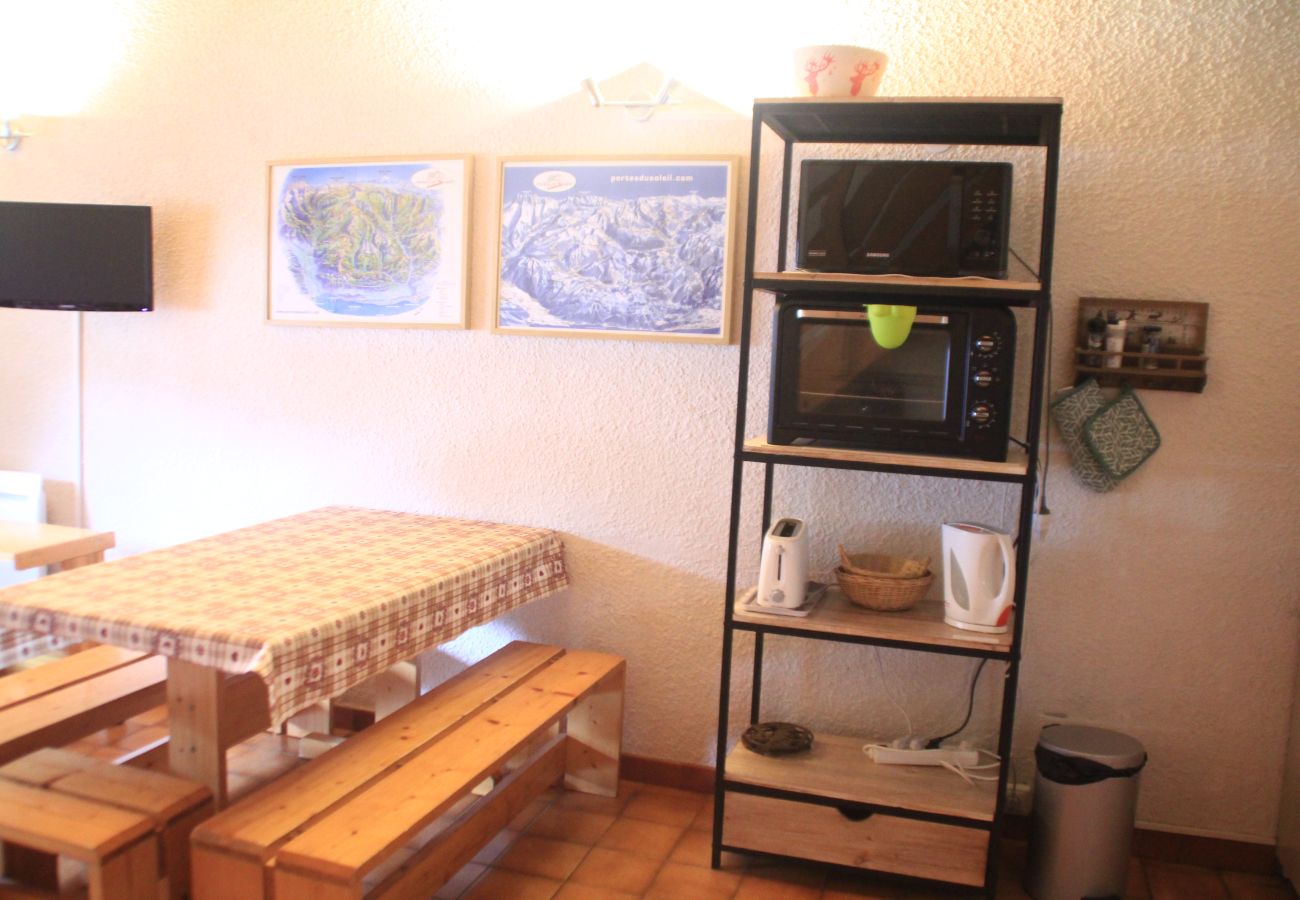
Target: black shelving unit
832	805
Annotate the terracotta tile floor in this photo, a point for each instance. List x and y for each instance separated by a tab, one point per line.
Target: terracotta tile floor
654	842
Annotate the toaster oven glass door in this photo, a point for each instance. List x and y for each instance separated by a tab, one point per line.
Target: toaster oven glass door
845	376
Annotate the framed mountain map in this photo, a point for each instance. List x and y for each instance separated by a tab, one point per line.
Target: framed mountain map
369	242
618	248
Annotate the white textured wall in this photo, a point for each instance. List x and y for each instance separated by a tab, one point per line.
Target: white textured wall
1167	609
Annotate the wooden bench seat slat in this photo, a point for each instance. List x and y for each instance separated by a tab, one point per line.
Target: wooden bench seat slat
20	687
346	841
68	826
160	796
78	709
280	809
44	767
436	863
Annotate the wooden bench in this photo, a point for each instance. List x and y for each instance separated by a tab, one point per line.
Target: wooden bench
118	847
171	806
528	716
68	698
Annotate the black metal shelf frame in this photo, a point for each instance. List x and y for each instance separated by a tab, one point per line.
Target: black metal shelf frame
941	121
974	294
744	787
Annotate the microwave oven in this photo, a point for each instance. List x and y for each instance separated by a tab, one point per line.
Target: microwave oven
886	217
946	391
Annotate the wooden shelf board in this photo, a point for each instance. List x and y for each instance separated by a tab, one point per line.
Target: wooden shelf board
1016	466
968	282
1144	373
835	767
922	624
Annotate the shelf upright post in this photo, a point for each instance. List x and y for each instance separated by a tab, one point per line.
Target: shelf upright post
783	236
1049	139
756	687
737	483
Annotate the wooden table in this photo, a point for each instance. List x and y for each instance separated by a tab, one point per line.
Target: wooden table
60	547
30	545
263	621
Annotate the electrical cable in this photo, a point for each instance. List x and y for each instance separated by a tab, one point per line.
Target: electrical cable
964	772
1021	261
1047	438
970	707
880	670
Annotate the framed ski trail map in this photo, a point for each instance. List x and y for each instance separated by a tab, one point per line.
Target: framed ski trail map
377	242
628	247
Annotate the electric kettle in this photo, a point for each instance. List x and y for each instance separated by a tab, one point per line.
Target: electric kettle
979	577
783	568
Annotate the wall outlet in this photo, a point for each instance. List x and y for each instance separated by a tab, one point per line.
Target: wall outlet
1020	798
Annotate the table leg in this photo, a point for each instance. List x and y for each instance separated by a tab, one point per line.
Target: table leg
194	706
76	562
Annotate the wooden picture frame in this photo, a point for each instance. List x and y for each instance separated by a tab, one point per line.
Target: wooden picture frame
376	242
616	247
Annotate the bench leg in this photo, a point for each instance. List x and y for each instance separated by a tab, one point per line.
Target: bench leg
129	874
31	868
295	886
314	719
76	562
595	729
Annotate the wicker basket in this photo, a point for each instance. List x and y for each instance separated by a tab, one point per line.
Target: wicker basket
882	592
883	565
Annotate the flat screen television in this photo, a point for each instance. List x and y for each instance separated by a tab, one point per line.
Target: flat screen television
76	256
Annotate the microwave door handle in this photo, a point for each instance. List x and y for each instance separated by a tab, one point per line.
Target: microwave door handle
837	314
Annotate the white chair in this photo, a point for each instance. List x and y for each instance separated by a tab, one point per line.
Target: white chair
22	499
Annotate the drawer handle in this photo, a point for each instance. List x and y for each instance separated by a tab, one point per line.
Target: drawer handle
855	812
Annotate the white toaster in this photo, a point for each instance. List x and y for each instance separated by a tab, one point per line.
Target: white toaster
783	569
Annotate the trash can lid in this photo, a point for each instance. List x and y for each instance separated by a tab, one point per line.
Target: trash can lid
1119	751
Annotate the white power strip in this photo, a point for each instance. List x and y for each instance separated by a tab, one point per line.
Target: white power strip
936	757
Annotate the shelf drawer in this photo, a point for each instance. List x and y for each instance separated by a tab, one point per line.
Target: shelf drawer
880	842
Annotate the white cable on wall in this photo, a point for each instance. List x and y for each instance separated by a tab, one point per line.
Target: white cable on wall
81	419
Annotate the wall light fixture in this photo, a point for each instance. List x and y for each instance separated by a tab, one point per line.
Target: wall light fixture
639	109
9	137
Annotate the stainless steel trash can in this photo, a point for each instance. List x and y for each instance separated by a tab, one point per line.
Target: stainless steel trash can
1085	795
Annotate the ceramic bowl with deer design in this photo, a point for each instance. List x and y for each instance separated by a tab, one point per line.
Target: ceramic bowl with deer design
838	70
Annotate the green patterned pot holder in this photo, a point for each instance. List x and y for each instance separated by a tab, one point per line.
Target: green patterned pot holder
1121	436
1070	413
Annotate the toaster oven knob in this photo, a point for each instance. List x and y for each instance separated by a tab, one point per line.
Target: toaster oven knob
981	413
983	378
986	343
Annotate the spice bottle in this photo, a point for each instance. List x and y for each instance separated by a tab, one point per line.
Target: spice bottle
1115	332
1096	338
1151	344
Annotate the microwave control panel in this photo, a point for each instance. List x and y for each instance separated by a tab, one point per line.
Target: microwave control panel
984	221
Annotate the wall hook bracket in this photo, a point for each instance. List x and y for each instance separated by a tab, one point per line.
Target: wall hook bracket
10	139
640	109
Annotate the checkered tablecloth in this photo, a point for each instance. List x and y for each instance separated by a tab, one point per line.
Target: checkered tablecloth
16	646
314	603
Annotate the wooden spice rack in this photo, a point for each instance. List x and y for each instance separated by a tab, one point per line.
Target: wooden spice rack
1179	366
